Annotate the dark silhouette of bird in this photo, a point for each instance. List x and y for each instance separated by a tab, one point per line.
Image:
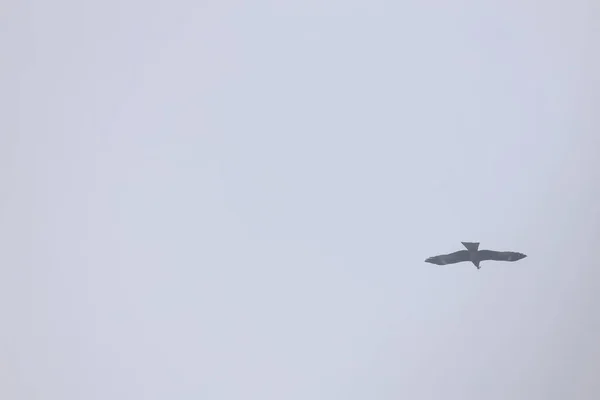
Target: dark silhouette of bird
475	255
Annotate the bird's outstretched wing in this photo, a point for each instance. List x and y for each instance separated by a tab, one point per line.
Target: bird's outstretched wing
489	255
451	258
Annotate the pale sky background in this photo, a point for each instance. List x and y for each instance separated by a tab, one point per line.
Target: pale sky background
227	200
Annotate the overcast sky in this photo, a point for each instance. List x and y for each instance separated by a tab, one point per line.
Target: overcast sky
227	200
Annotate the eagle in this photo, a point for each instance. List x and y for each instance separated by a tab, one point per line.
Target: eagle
475	255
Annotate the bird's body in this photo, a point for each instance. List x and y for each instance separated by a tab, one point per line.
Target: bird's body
474	255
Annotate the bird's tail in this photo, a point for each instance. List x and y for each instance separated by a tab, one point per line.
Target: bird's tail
471	246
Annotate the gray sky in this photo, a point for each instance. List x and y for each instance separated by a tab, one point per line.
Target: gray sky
228	200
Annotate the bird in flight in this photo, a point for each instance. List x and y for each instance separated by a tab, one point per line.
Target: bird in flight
475	255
